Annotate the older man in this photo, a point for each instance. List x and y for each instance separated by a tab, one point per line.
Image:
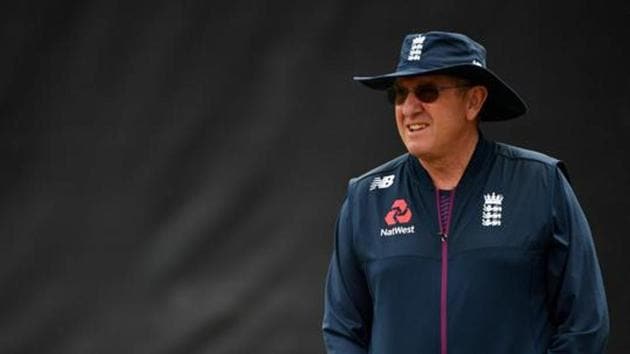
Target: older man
462	245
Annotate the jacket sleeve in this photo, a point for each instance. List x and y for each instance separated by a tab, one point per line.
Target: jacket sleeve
577	298
347	303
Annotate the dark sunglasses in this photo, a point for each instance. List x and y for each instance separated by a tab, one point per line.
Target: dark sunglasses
425	93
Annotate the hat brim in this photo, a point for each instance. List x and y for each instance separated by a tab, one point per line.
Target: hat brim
503	102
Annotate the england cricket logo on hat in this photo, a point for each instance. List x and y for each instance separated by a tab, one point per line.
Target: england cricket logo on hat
492	209
416	48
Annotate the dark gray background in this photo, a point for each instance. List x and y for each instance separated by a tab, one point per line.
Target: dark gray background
172	169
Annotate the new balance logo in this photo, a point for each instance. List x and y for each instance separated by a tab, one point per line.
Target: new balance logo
492	209
382	182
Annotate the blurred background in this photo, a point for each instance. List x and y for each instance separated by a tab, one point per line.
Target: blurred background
172	170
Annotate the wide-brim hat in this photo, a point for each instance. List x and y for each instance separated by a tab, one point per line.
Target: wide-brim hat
452	54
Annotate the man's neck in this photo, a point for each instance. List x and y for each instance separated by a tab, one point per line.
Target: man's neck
446	171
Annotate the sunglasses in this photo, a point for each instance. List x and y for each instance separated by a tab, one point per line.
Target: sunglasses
424	93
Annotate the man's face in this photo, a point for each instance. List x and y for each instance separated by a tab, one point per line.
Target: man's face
433	130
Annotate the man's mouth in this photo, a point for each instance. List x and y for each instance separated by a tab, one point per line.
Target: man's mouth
417	126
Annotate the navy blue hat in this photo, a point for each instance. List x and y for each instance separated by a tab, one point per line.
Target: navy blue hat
452	54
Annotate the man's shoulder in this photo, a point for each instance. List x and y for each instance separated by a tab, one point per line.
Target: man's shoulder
531	158
519	153
380	174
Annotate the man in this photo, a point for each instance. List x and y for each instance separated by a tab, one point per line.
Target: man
463	245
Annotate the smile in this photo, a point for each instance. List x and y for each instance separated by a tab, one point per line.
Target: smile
417	126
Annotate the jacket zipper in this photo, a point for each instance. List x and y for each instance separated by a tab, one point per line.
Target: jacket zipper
444	230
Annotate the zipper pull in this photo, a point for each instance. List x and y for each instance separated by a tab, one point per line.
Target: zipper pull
443	237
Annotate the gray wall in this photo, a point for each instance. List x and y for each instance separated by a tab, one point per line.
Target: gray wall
172	169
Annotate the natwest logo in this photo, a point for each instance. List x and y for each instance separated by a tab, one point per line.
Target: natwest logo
399	213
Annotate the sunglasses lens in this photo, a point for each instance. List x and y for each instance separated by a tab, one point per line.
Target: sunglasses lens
396	95
427	94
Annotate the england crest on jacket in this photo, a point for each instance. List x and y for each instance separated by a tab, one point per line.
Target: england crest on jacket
492	209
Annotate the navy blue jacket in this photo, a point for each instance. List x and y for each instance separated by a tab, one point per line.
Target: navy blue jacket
521	275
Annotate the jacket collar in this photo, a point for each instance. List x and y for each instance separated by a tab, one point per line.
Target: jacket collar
480	157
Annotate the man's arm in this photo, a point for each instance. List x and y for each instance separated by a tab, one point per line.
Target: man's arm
578	300
347	308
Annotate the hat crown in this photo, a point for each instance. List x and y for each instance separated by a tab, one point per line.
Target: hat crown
454	54
436	49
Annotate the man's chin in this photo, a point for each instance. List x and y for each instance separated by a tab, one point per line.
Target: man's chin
423	155
418	151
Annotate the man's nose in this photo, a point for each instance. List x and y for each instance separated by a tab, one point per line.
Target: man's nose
411	105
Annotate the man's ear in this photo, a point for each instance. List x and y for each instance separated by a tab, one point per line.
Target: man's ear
477	95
